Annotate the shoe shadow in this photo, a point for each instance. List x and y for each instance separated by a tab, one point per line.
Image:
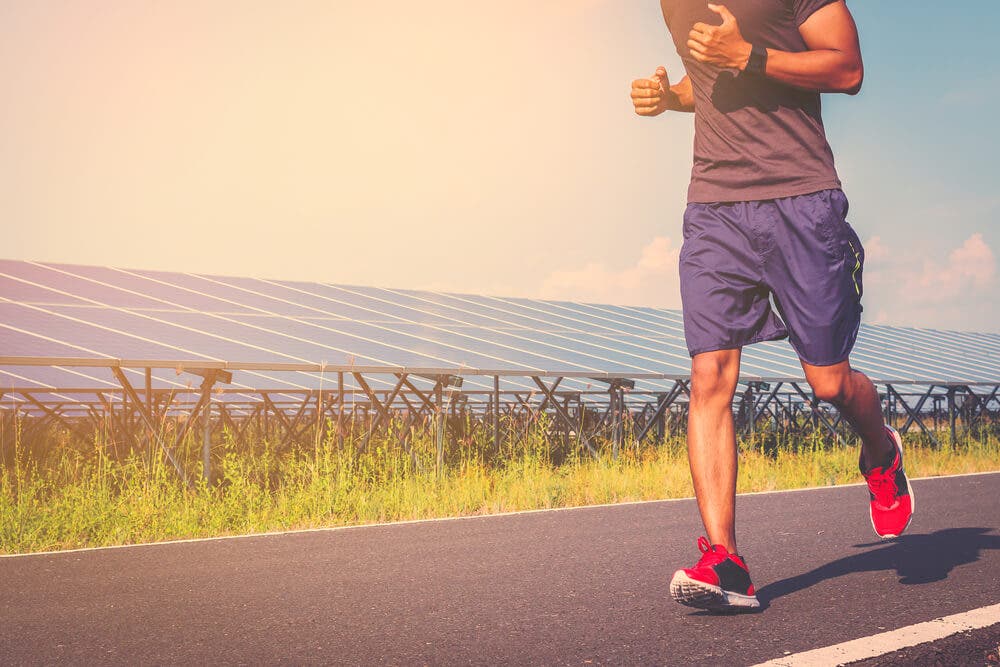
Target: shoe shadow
917	559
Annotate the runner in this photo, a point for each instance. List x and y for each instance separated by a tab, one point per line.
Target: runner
767	250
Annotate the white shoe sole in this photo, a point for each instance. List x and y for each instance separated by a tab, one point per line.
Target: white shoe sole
909	489
698	594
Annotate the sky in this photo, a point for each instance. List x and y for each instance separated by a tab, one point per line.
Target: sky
463	146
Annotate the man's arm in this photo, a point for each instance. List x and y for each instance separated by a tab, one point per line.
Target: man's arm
831	65
655	95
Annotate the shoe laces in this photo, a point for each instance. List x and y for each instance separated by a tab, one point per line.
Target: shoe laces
883	486
709	556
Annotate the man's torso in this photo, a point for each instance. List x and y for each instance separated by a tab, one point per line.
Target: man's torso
755	138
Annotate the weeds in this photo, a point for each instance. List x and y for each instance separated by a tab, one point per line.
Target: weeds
60	495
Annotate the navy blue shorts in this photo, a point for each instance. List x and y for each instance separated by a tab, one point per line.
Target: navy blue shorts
797	252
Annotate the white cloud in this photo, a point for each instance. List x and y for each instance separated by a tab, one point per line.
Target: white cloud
881	317
651	281
969	267
954	291
954	288
974	260
875	250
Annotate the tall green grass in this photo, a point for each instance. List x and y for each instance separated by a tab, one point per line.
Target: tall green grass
61	493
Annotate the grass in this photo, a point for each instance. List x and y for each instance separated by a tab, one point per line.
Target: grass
61	495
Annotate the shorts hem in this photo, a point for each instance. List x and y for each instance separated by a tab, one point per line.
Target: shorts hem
739	346
824	362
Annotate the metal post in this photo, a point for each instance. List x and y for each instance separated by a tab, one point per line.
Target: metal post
206	447
318	434
149	411
496	412
124	419
814	406
885	406
566	427
615	419
340	409
440	427
951	413
661	421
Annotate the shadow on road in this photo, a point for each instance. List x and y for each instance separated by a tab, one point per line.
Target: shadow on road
917	559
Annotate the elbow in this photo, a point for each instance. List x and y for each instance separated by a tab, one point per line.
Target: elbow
852	79
854	82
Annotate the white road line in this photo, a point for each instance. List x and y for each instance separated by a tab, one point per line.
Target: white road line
887	642
468	517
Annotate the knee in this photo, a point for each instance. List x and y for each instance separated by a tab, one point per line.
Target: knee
831	388
713	379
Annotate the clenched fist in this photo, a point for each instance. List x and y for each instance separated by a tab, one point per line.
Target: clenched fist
652	96
720	45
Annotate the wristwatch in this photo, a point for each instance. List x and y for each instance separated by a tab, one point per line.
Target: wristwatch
757	63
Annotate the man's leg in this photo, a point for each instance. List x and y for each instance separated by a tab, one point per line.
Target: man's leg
852	393
890	493
815	274
726	306
712	442
720	580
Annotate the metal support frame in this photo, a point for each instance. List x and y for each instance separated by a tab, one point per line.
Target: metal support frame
763	407
206	450
148	421
913	414
613	413
561	413
816	413
664	402
975	409
951	414
54	414
495	412
203	400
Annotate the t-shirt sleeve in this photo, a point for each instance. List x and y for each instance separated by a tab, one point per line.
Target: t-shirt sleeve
805	8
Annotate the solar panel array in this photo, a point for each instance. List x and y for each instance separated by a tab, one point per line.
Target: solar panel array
63	312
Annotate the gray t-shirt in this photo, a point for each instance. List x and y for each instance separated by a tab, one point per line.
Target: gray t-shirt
754	138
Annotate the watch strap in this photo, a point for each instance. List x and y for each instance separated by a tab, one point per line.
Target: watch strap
757	63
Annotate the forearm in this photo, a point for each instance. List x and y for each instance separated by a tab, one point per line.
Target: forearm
682	96
830	63
821	70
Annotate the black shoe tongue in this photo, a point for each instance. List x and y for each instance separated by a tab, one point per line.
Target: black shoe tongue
890	460
884	465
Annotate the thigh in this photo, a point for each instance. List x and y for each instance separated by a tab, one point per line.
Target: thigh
815	273
724	297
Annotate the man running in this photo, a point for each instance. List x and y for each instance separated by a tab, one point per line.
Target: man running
767	250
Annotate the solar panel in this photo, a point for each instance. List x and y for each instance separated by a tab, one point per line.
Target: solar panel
68	312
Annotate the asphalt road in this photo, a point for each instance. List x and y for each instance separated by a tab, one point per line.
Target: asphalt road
975	648
584	586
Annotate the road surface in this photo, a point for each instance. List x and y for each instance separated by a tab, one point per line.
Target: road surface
580	586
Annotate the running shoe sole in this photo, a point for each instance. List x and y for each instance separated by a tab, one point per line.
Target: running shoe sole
698	594
909	489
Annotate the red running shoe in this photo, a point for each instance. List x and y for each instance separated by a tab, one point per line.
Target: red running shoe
892	501
719	582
